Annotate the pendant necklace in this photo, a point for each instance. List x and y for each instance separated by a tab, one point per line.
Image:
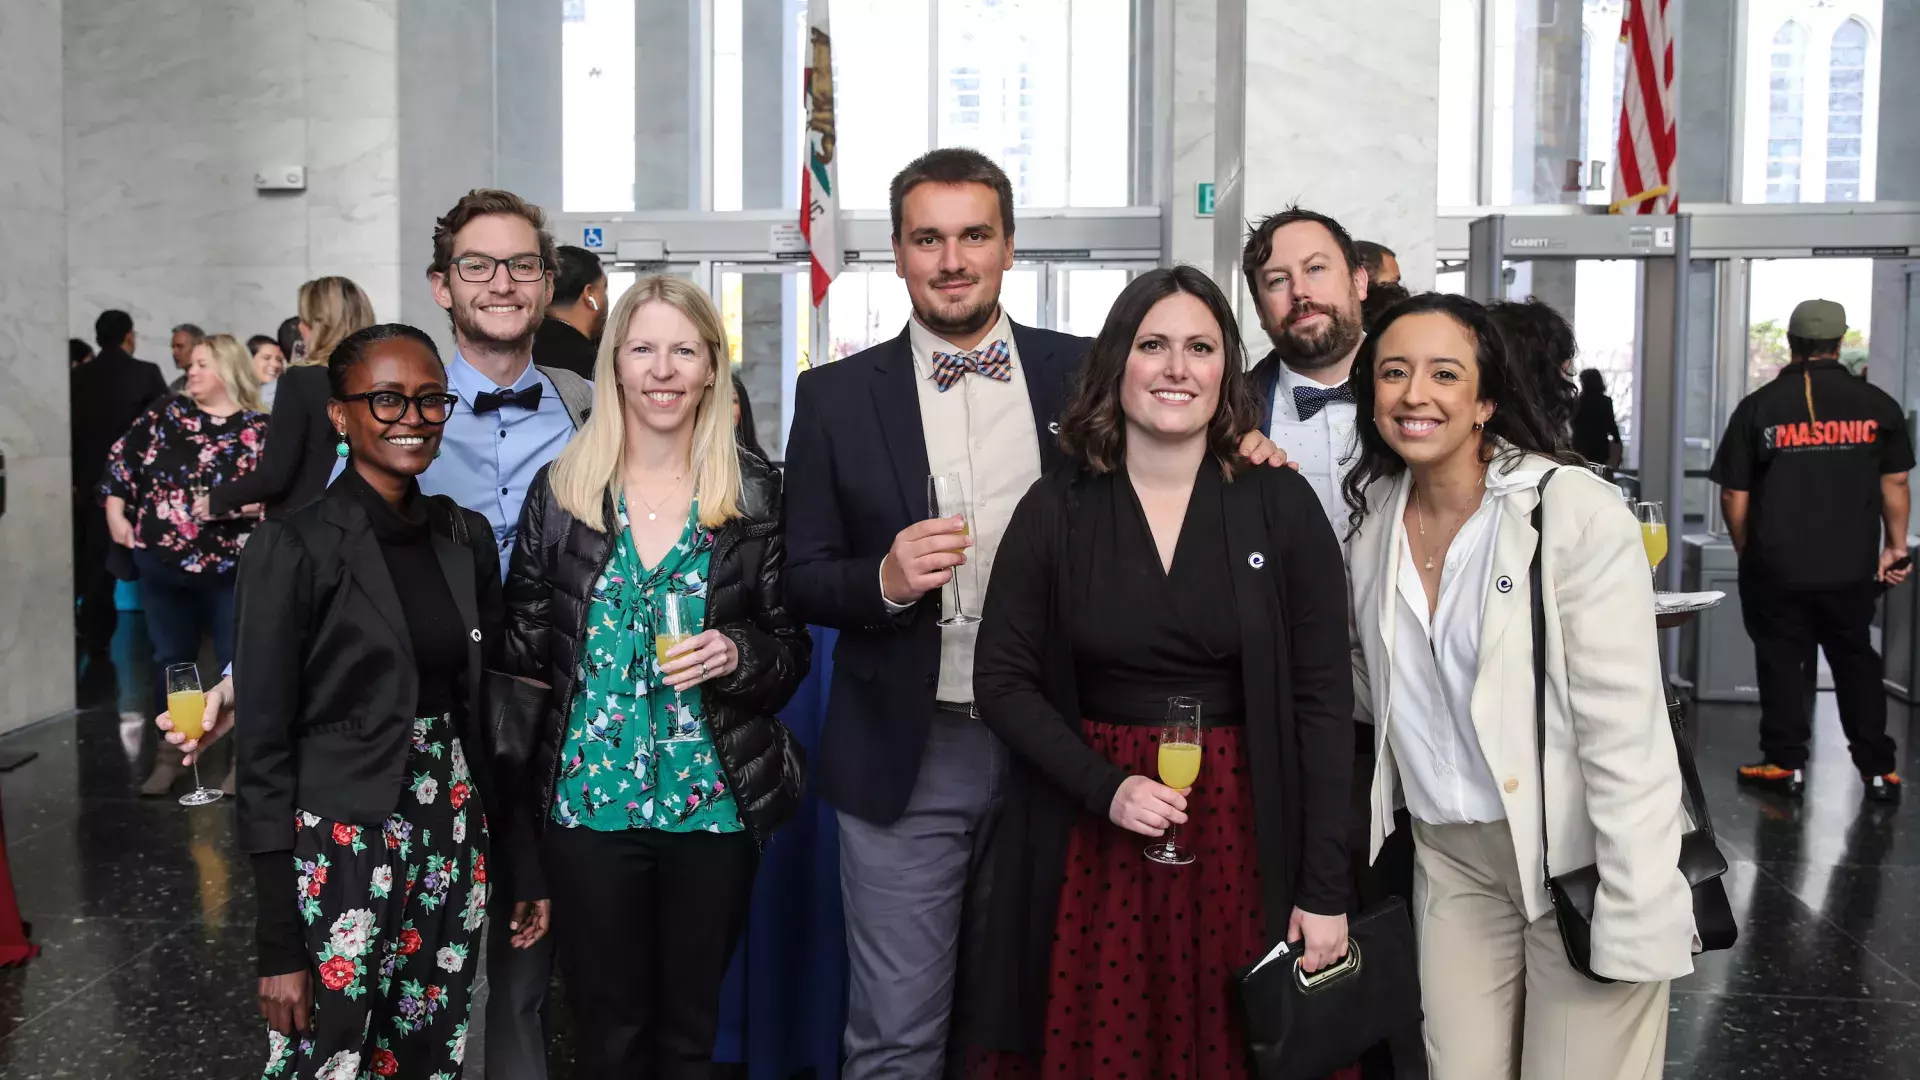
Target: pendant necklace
1420	519
653	509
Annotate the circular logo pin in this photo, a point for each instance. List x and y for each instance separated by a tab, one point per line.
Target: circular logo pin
1256	560
1054	427
1504	584
475	634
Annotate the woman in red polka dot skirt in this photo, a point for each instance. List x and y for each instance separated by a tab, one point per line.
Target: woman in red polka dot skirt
1160	565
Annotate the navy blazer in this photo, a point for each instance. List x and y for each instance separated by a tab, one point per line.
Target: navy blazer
856	475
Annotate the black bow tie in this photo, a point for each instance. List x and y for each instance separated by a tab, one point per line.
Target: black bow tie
1307	400
490	401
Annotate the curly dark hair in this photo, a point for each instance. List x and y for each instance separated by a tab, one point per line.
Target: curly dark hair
353	349
1519	420
1544	341
1093	429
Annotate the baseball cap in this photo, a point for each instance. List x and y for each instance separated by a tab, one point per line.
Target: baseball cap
1818	320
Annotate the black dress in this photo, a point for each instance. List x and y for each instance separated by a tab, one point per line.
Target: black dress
1143	954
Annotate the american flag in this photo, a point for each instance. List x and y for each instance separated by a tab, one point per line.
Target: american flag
1644	180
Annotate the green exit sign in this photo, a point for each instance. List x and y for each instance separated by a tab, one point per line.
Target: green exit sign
1203	199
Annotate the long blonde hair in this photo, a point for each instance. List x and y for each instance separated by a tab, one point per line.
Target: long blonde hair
234	365
588	471
332	308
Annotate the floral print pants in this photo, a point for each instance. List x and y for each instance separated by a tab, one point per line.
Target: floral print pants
393	918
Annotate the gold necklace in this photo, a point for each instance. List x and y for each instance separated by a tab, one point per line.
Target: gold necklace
1420	519
653	509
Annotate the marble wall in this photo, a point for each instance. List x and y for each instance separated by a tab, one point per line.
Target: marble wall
173	105
1333	106
36	644
1190	238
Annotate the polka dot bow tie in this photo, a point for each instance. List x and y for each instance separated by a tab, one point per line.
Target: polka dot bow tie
1308	400
992	361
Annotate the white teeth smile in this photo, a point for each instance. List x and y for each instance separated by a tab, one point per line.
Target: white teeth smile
1179	397
665	397
406	440
500	309
1417	427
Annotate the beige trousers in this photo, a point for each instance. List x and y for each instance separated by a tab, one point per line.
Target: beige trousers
1500	997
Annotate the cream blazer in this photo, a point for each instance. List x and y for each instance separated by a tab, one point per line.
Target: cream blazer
1611	771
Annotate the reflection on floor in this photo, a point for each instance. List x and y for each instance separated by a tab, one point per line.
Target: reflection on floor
144	909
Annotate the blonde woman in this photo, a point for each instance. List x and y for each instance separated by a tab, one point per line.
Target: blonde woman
301	442
185	443
655	782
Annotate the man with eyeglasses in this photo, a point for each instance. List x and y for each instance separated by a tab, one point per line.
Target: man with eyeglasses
493	267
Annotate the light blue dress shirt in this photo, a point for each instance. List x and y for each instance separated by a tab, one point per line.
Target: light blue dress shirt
487	462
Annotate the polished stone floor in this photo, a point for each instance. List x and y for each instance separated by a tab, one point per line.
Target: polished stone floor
143	910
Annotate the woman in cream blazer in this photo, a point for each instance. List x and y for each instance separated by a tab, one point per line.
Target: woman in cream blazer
1442	547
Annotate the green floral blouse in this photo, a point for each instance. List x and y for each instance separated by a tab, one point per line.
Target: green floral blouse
636	757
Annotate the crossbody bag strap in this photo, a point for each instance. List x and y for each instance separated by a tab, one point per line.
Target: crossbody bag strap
1536	591
1689	775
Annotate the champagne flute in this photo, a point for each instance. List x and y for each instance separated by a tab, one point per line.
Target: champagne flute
1653	537
1179	767
187	708
947	498
677	625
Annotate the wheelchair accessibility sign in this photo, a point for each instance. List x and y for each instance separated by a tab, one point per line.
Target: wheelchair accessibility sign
595	238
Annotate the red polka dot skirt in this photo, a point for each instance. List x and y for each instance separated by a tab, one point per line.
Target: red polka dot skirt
1144	954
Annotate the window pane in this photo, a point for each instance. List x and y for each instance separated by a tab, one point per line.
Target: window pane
1810	100
1085	298
596	105
880	56
1846	111
1459	94
1102	35
1020	295
1006	49
865	308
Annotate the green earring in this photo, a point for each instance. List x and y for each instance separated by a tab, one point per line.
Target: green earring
341	449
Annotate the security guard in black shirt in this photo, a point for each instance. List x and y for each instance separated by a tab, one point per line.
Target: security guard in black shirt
1812	469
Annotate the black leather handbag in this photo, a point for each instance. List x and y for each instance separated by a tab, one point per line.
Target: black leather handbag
1302	1027
1573	892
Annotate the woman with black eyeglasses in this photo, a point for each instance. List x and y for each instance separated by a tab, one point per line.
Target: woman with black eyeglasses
365	621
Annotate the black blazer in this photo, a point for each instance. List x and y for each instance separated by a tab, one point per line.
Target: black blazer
856	475
1289	585
106	394
324	677
299	455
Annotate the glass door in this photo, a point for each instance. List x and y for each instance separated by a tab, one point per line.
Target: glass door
768	314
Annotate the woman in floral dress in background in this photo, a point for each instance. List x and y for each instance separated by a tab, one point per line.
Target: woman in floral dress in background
656	781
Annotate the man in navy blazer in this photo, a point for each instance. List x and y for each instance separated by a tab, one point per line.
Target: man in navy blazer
911	770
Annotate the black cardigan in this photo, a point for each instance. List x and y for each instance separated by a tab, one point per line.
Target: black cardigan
300	451
1290	586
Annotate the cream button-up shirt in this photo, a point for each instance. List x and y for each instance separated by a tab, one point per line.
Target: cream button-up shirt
982	430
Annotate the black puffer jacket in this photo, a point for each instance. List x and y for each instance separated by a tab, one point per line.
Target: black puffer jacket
549	588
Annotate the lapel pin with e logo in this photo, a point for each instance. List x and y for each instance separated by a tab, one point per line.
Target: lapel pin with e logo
1505	584
475	634
1053	426
1256	560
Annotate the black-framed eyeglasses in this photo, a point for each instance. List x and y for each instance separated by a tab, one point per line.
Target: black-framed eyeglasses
479	268
390	406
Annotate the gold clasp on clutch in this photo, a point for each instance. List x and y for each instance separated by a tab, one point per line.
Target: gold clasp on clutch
1347	965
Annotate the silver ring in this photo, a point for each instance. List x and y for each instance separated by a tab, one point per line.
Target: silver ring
703	669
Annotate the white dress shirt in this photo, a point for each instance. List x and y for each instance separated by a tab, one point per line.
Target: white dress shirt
1443	772
982	429
1322	445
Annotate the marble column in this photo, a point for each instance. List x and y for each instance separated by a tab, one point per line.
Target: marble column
446	124
1333	107
666	114
527	63
1190	237
36	637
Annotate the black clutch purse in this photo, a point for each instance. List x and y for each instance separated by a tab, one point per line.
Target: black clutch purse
1573	892
1302	1027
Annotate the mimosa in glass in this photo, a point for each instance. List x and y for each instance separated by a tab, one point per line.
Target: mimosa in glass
187	710
676	628
1180	755
1653	536
947	497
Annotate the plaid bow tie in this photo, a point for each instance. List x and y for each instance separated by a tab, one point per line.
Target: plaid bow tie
1308	400
992	361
